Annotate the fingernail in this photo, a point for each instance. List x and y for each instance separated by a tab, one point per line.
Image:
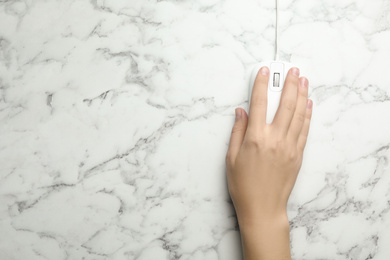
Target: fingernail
295	71
264	71
238	113
309	104
304	82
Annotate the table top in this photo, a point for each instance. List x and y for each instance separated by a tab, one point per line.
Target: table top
115	118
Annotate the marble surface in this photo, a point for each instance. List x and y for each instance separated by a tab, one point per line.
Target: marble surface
115	118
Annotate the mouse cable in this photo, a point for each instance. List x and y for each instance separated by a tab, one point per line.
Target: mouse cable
276	30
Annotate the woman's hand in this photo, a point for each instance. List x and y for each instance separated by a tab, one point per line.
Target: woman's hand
263	162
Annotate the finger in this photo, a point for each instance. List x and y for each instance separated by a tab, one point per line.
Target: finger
258	106
237	136
300	110
306	125
288	101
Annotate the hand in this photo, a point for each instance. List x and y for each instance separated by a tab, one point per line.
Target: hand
263	162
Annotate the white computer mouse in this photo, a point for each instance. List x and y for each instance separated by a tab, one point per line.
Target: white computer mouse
278	73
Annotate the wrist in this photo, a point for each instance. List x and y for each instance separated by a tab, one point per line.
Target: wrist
276	222
265	238
267	217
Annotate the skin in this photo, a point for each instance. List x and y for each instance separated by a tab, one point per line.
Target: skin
263	162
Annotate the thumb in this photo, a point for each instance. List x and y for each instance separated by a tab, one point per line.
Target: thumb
237	137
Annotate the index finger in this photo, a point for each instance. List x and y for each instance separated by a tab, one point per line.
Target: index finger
258	105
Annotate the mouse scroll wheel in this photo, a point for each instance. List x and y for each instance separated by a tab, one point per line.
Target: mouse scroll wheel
276	80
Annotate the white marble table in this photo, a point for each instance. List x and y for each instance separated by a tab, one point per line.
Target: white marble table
115	118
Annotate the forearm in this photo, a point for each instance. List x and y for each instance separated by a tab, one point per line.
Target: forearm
266	239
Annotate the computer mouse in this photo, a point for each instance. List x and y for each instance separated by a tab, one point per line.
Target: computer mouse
277	75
